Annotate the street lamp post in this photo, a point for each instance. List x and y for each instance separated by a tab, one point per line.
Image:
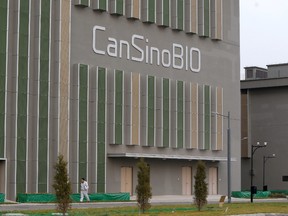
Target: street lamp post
253	150
265	158
228	155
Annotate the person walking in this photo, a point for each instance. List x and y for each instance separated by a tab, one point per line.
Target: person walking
84	190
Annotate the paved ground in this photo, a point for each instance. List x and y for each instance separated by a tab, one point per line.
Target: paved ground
156	200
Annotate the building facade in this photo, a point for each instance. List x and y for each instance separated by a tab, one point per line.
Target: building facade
107	82
264	117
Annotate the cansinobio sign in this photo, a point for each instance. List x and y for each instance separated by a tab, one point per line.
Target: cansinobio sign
177	56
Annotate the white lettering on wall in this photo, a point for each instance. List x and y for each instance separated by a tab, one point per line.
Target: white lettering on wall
177	56
138	50
95	29
139	37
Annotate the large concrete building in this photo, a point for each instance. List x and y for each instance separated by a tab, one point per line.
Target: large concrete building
107	82
264	108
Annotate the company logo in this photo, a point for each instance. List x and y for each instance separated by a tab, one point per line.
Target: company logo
137	49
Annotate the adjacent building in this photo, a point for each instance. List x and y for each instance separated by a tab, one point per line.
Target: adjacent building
264	118
106	82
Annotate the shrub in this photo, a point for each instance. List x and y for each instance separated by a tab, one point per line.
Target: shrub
62	185
200	186
143	188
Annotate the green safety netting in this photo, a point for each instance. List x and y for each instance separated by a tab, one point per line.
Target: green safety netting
43	198
24	198
2	197
260	194
247	194
105	197
279	192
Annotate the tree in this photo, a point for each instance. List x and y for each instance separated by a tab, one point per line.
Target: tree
200	186
143	188
62	185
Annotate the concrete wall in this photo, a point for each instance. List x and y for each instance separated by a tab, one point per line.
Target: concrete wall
43	125
268	117
219	67
277	71
162	180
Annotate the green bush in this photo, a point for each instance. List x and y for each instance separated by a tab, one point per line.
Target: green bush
143	188
200	186
62	185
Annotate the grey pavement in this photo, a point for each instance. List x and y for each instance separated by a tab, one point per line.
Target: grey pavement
156	200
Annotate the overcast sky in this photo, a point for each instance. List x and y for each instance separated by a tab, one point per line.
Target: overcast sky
263	32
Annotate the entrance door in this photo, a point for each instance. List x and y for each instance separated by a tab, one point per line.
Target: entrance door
213	183
126	180
2	176
186	180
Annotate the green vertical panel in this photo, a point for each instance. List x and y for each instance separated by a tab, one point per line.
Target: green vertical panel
3	46
119	7
101	130
22	96
85	2
207	116
150	110
102	4
2	121
118	106
180	114
206	18
180	13
83	101
166	13
151	10
166	112
43	96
